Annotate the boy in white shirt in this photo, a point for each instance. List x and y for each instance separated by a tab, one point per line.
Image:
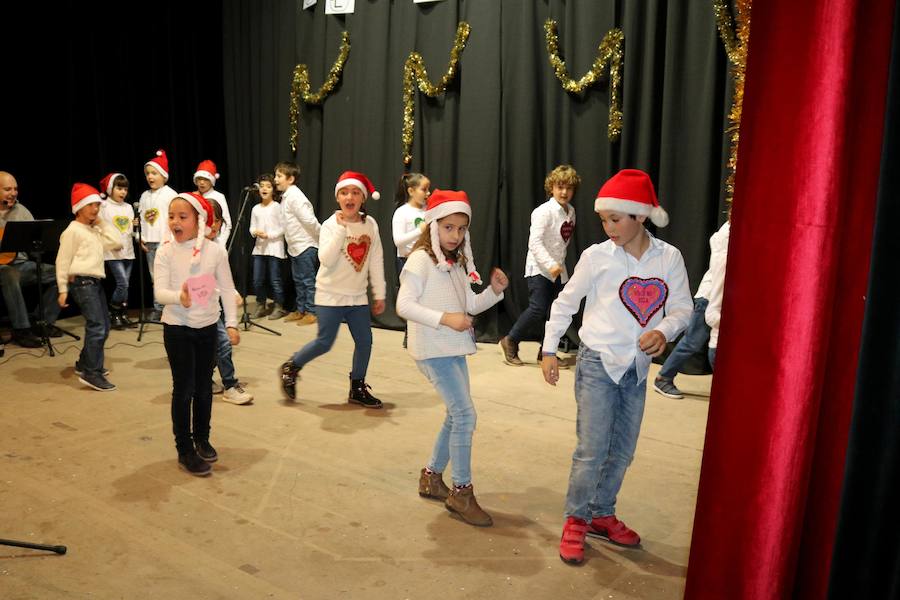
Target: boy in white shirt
301	233
154	208
629	282
205	179
120	214
267	228
552	227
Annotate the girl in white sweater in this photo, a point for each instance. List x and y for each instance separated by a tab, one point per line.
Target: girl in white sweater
350	257
408	223
189	276
436	298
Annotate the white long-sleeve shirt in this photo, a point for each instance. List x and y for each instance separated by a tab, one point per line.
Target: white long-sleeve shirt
81	250
716	249
155	214
350	257
426	293
173	267
225	231
608	326
301	227
552	227
717	281
121	216
405	227
269	219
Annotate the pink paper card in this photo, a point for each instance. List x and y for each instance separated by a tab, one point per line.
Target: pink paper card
201	288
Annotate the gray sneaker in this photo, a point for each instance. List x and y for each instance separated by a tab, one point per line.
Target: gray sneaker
260	312
277	312
667	388
217	388
98	382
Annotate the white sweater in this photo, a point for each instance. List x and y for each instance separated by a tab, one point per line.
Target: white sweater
81	250
121	216
405	227
301	227
155	214
350	257
426	293
270	220
719	244
173	267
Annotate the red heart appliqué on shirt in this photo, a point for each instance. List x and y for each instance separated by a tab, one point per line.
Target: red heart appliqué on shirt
566	230
356	252
643	297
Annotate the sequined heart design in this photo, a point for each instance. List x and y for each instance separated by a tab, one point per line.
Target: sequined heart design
151	214
643	297
356	252
566	230
122	223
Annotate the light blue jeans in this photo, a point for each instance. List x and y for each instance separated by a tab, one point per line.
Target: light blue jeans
450	377
609	421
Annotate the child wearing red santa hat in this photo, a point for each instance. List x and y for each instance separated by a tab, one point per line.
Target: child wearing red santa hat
153	206
205	178
189	276
114	187
637	299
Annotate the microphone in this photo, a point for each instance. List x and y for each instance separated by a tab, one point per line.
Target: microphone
254	186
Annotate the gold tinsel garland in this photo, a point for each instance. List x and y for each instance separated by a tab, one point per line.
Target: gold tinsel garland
300	87
608	52
414	73
737	43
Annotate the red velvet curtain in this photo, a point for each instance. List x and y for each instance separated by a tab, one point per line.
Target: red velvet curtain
794	296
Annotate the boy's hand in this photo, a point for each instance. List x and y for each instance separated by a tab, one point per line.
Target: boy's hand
61	299
377	307
185	296
499	281
261	234
457	320
555	271
144	247
550	368
239	300
653	343
234	336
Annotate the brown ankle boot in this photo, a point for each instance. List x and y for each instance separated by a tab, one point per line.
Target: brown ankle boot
433	486
510	351
462	502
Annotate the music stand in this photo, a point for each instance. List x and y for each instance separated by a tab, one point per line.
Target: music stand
36	238
246	321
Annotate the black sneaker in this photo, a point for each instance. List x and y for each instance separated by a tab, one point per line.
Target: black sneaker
79	371
192	463
98	382
206	451
289	379
26	339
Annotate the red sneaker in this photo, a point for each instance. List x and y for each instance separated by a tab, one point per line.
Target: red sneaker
571	545
611	529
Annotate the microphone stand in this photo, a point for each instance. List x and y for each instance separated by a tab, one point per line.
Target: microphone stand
246	321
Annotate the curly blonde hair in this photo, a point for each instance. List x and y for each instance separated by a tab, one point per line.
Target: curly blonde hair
562	175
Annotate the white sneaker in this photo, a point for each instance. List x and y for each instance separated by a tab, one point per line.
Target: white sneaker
217	388
237	395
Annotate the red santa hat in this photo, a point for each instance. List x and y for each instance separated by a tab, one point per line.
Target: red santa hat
358	180
630	191
205	216
207	170
82	195
160	162
106	184
442	203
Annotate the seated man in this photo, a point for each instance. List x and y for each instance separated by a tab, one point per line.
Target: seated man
18	270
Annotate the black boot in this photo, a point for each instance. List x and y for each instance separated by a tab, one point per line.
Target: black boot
359	394
123	316
115	316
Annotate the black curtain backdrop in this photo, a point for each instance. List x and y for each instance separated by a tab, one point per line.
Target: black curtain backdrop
94	87
504	122
866	559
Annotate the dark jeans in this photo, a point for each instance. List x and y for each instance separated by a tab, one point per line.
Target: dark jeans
121	273
541	294
91	299
304	267
13	277
330	318
192	356
712	358
223	355
267	268
401	262
694	339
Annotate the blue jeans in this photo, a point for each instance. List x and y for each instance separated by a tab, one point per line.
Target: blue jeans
712	357
151	256
121	273
223	355
192	356
450	377
609	421
267	267
330	318
304	267
88	293
541	294
13	277
694	339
